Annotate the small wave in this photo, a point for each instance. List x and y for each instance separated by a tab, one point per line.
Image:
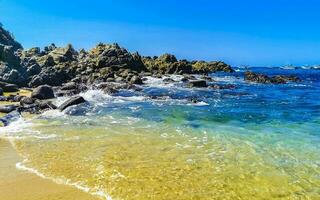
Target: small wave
200	103
63	181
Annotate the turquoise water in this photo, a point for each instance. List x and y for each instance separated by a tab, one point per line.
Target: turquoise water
252	142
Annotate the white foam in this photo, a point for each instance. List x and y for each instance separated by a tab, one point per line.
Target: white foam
63	181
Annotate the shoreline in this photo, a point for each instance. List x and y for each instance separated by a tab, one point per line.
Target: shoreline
20	184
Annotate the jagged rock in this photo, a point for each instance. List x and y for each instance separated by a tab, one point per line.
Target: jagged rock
8	108
7	39
168	64
207	67
71	102
43	92
198	83
50	76
105	55
34	69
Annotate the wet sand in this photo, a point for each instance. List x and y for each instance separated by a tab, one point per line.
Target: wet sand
21	185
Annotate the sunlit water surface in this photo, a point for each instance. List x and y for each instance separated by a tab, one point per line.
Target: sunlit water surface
252	142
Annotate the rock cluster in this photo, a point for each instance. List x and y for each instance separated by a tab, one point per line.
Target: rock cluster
168	64
261	78
55	66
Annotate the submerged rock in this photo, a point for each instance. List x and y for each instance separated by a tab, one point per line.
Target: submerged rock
71	102
43	92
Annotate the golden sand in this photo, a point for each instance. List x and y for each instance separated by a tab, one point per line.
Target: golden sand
21	185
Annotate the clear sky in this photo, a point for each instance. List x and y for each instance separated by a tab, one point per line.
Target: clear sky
240	32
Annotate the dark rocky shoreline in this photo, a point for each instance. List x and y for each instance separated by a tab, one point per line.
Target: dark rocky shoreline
64	71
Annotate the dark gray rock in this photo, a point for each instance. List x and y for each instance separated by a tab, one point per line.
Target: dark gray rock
71	102
1	91
43	92
8	108
198	83
261	78
26	101
45	105
7	87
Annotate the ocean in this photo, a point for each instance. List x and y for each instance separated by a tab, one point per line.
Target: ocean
168	141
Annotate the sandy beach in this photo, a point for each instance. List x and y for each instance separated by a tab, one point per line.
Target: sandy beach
21	185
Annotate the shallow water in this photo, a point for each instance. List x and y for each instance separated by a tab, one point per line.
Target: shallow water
252	142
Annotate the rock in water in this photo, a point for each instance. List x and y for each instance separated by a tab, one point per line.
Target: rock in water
261	78
12	116
43	92
26	101
198	83
71	102
7	108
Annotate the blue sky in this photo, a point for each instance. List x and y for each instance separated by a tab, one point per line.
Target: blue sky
247	32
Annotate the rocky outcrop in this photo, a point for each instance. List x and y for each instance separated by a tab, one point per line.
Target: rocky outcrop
10	68
208	67
7	39
261	78
55	66
168	64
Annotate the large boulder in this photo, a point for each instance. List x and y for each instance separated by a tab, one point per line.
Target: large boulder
43	92
71	102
